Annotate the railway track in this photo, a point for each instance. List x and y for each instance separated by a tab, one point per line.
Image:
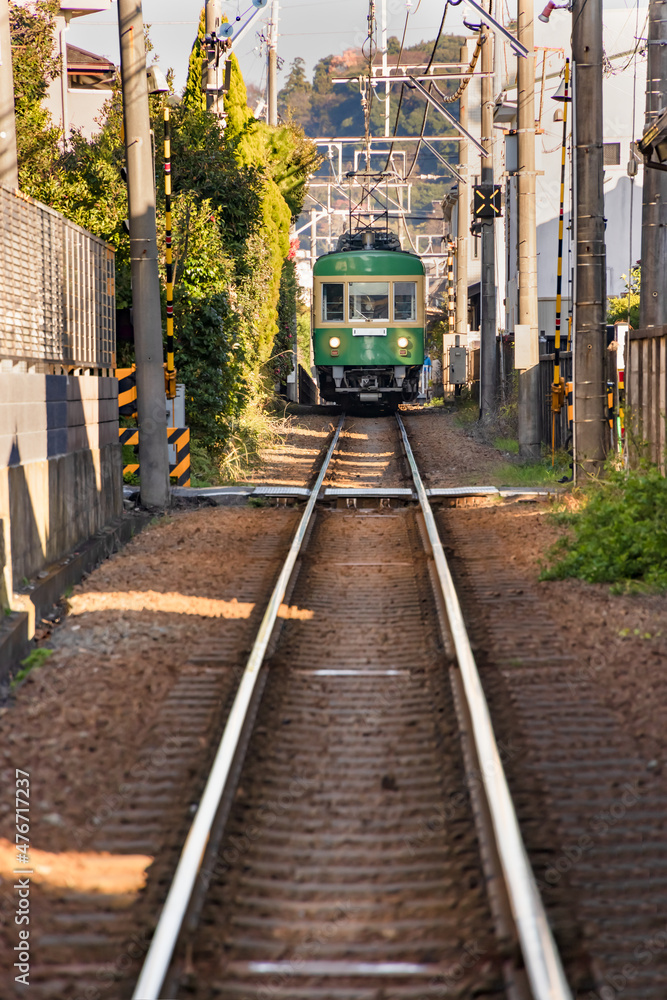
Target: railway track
356	838
356	855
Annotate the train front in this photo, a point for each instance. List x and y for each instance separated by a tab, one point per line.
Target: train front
368	321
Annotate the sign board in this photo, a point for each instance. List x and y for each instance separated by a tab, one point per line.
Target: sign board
526	347
175	408
486	201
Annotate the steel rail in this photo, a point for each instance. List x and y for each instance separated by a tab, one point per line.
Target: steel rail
541	958
159	955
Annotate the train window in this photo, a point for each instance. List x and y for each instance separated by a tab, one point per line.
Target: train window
369	300
405	300
333	303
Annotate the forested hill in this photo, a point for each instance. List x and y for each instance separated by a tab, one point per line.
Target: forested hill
325	108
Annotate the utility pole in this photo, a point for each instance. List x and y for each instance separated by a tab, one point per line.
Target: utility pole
9	172
313	237
462	217
272	75
653	301
590	390
529	377
213	21
151	406
488	374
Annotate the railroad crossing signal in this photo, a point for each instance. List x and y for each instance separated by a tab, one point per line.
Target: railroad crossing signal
486	201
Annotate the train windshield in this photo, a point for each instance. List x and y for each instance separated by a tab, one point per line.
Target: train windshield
369	300
333	303
405	300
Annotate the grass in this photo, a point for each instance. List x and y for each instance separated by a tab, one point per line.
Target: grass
160	519
541	473
508	444
500	433
32	661
204	470
255	430
467	412
130	457
618	534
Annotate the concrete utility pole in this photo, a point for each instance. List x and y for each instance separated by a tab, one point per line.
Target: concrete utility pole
653	301
9	171
590	390
488	374
151	406
462	218
529	377
213	21
272	76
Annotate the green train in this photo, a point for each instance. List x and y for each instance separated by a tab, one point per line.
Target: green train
368	320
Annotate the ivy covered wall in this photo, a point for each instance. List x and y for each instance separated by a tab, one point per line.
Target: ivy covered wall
235	194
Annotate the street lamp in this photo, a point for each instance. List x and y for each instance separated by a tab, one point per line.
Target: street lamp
546	13
157	81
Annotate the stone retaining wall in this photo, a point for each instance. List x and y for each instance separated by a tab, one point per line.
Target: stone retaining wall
60	468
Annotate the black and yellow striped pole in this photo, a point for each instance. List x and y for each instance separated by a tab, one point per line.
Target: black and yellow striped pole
171	371
558	386
451	291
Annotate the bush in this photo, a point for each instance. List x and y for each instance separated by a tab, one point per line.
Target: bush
232	201
619	534
625	308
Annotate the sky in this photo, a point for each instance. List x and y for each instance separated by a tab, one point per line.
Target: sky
309	30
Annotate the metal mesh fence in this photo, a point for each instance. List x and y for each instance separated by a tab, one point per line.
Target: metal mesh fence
57	281
559	427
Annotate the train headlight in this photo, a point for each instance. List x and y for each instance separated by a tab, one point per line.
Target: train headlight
335	342
402	341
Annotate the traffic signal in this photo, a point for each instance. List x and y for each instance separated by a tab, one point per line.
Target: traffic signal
486	201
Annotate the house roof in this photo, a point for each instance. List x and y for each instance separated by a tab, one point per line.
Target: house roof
77	8
81	61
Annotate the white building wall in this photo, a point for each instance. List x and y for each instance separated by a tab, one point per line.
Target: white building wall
82	108
624	84
74	108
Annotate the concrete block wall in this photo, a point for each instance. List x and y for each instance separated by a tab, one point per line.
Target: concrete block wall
60	468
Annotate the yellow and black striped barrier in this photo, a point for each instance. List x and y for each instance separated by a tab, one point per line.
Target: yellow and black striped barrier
569	396
179	437
127	391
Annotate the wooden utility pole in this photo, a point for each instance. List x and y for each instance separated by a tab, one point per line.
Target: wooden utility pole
653	301
462	217
9	172
213	22
590	299
529	377
151	403
272	74
488	375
